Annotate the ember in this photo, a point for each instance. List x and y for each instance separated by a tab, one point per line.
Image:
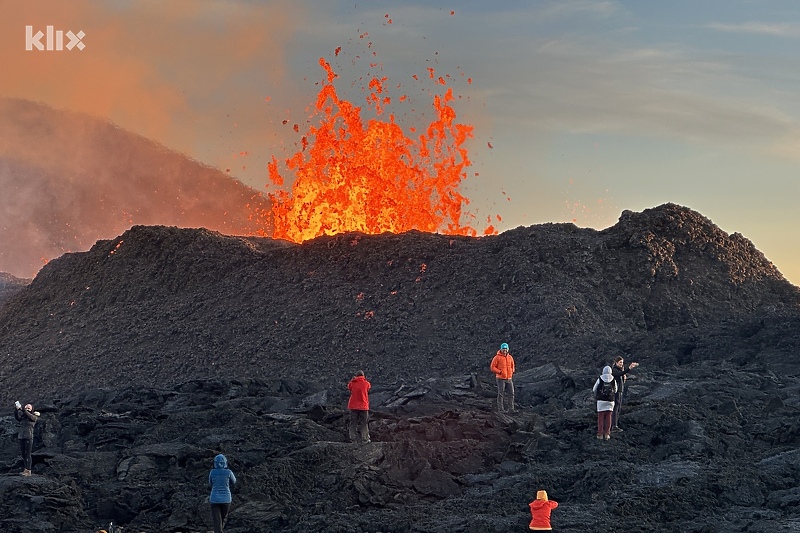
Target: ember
352	175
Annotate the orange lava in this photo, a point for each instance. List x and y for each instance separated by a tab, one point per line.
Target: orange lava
369	176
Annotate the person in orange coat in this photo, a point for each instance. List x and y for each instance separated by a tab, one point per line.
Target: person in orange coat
359	407
540	512
503	368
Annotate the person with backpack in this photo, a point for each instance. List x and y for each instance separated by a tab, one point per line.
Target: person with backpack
605	388
620	374
503	368
221	479
540	512
358	404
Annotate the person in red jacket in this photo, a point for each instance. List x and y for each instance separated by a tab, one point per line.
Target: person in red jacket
540	512
503	368
359	407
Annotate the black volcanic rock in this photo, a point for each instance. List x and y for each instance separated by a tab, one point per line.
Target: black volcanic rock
153	351
161	304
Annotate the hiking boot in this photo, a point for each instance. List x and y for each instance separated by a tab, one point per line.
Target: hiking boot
617	428
26	473
607	437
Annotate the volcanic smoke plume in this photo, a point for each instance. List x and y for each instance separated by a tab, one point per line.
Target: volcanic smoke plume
68	180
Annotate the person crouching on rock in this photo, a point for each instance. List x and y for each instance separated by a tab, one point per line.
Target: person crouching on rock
359	408
540	512
27	418
604	390
220	479
503	368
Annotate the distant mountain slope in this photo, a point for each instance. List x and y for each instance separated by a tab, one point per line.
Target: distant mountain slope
69	179
160	305
10	285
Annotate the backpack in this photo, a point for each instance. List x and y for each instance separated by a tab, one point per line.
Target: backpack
605	391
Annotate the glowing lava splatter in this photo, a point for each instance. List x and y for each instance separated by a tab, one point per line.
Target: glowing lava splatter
352	175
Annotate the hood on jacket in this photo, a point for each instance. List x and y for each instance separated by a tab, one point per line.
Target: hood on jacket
220	461
606	375
538	504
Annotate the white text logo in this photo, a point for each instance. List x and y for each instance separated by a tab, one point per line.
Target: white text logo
54	40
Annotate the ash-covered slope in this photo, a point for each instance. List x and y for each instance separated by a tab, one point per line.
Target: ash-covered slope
160	305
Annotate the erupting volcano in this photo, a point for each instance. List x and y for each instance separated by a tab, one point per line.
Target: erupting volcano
370	176
394	164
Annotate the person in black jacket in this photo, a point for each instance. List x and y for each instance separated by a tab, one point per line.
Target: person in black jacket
619	372
27	418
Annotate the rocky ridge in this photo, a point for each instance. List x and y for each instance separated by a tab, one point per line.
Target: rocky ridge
161	303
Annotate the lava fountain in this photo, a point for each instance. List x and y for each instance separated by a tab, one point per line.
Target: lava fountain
370	176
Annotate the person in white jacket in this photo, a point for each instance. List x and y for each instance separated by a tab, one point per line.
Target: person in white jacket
604	390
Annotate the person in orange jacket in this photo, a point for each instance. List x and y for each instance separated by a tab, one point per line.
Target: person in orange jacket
540	512
359	407
503	368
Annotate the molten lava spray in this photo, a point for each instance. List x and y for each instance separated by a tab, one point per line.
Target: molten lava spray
371	177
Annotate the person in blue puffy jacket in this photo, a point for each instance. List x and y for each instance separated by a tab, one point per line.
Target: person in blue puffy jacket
220	479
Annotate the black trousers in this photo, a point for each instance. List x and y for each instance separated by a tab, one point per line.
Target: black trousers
25	447
219	513
617	408
359	425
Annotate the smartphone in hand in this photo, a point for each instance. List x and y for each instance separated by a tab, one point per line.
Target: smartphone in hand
18	405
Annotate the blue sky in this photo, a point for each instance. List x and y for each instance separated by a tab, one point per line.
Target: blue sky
591	107
595	107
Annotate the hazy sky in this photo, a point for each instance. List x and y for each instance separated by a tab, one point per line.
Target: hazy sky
581	108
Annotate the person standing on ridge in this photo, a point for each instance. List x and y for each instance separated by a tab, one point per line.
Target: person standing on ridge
359	408
220	479
605	389
620	374
540	512
503	368
27	419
